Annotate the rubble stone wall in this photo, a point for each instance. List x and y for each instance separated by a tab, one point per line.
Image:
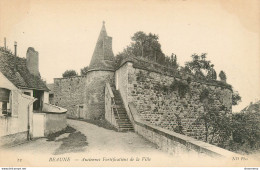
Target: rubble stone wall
83	96
156	104
69	94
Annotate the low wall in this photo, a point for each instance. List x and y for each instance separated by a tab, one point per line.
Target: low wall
109	114
55	118
55	123
172	142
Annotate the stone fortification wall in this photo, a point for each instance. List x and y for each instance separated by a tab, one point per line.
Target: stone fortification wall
156	104
69	94
83	96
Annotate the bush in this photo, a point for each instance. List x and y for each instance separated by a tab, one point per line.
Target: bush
246	132
69	73
236	98
222	76
180	86
84	71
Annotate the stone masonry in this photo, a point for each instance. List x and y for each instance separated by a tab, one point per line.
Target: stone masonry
84	96
68	93
165	109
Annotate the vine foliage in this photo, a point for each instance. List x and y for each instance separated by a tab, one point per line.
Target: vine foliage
181	86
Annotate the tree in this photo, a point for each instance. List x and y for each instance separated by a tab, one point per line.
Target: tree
201	67
211	75
140	38
245	132
147	46
222	76
216	121
84	71
236	98
173	61
69	73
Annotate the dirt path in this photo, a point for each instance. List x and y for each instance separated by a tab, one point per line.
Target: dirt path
100	139
89	145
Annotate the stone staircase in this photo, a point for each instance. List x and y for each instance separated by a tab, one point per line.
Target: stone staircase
120	114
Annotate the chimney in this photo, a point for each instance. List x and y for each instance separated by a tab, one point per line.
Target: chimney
15	55
15	49
5	43
32	61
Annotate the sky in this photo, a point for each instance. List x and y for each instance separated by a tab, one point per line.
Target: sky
64	32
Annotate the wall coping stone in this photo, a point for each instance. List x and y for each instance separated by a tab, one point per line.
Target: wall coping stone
174	76
52	109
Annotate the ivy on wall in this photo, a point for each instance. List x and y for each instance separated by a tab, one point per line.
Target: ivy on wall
180	86
140	76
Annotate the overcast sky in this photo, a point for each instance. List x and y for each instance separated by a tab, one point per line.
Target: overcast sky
64	32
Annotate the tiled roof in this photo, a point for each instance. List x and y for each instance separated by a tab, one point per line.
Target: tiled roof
21	77
252	108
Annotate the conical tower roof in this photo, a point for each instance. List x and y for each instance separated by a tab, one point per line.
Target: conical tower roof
103	57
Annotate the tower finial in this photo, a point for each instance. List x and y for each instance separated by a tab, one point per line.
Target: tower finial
103	22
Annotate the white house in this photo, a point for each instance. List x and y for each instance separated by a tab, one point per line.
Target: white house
22	92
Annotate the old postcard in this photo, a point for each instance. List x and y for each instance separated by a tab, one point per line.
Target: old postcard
162	83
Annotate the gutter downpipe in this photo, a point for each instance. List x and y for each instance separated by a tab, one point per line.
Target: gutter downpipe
28	125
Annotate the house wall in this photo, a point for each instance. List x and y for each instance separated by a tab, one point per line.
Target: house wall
13	128
17	124
167	109
5	83
46	97
29	91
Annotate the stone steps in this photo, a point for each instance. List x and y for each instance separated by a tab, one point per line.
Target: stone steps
121	116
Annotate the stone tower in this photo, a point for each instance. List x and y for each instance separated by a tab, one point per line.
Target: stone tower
101	70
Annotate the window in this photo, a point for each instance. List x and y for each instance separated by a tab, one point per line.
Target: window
27	93
5	107
37	105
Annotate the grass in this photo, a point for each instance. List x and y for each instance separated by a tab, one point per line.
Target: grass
75	142
53	136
